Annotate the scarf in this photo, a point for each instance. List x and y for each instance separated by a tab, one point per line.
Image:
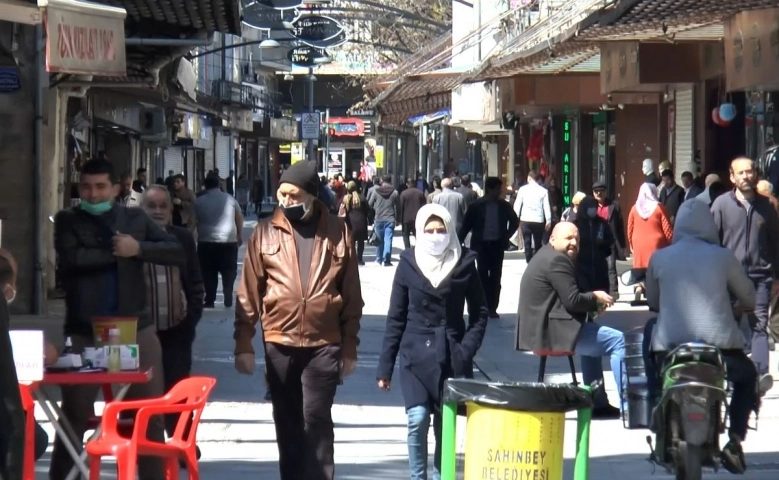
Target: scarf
647	200
436	267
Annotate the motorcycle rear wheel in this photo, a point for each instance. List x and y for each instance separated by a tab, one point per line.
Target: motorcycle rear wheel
690	462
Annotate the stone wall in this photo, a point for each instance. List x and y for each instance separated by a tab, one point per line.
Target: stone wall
16	162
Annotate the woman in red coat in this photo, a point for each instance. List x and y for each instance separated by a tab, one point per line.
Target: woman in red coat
649	229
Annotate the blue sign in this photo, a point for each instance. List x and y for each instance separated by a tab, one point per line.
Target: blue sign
9	80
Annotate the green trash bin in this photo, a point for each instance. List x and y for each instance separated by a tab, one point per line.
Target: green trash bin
515	430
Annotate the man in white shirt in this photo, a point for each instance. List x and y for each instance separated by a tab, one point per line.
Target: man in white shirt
535	217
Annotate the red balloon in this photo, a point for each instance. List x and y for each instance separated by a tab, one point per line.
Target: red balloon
717	119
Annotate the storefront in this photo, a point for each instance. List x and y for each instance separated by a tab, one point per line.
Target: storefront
116	131
283	148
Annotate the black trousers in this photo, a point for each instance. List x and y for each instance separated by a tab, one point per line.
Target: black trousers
302	383
741	373
218	259
409	229
360	247
176	366
489	263
613	278
533	234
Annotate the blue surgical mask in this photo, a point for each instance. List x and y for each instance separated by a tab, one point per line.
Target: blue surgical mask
95	208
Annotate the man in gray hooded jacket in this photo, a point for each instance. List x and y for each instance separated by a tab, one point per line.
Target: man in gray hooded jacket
690	284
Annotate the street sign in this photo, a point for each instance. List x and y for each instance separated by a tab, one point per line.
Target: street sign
335	41
304	56
257	15
310	124
315	28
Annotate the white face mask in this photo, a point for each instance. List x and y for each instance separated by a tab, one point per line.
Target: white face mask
434	243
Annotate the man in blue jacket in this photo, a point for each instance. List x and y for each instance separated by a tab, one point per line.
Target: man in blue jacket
748	226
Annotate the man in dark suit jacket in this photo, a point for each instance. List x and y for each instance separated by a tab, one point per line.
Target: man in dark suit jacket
411	200
553	314
491	221
672	195
691	188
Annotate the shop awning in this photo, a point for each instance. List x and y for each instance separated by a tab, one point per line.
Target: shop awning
418	95
680	20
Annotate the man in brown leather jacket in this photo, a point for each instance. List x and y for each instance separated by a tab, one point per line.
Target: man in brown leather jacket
300	277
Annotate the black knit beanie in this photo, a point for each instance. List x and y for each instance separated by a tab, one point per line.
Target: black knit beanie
302	174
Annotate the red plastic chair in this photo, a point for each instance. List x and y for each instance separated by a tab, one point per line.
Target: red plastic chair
187	397
550	353
28	463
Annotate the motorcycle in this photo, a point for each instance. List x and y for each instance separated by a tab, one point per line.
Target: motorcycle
689	411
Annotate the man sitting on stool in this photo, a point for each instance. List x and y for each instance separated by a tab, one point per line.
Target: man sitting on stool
553	314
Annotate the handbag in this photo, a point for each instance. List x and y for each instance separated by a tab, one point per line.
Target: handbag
373	239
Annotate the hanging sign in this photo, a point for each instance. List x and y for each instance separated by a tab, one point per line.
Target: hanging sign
277	4
87	41
335	41
315	28
304	56
257	15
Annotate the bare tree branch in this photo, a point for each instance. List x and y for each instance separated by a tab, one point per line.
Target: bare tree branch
394	27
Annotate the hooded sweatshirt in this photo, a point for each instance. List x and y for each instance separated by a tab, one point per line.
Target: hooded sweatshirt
691	284
384	201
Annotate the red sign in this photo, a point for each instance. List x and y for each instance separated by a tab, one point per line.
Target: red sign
346	127
88	41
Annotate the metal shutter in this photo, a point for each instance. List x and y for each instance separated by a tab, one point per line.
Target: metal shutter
190	167
223	152
684	133
173	160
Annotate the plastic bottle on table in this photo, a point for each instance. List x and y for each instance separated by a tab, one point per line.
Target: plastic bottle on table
114	351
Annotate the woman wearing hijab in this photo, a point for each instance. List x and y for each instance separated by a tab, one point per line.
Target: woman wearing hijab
649	229
426	328
595	244
354	209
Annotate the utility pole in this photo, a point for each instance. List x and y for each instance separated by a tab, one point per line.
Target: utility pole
311	146
326	155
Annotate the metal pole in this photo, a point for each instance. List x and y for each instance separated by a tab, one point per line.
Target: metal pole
40	71
311	147
326	155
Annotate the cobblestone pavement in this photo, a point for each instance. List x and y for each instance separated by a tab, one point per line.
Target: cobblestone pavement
237	434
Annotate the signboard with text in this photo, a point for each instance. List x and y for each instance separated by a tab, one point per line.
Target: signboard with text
27	346
310	125
88	41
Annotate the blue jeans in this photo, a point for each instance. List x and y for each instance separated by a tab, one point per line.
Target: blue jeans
384	229
596	341
418	426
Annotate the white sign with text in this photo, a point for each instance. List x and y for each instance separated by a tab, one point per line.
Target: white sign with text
27	346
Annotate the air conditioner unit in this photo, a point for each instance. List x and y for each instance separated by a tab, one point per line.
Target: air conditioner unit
226	91
153	125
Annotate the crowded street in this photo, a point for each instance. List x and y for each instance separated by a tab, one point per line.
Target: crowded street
237	435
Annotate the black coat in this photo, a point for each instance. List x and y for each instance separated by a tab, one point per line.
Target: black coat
473	222
551	306
595	247
11	410
357	220
672	199
617	224
425	325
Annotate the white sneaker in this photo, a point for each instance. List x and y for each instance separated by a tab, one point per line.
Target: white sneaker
764	384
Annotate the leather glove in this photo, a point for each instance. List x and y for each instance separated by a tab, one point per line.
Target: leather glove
347	366
244	363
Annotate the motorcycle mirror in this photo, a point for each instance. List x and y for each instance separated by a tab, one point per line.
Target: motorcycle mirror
628	278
